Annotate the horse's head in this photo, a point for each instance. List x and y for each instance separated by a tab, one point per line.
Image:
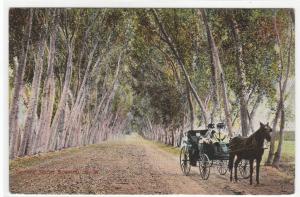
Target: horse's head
265	131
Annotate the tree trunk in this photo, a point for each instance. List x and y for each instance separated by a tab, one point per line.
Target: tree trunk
74	132
273	135
217	70
213	65
252	113
26	143
279	147
165	137
93	130
282	88
192	118
48	97
226	105
18	83
240	76
72	120
34	134
54	127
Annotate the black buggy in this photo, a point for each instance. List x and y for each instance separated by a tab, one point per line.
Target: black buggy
198	150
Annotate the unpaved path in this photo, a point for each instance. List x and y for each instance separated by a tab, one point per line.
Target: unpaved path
128	166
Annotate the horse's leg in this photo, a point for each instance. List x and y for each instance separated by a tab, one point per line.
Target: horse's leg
236	163
257	169
230	169
230	164
251	170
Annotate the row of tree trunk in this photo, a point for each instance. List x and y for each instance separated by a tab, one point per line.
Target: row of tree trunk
65	118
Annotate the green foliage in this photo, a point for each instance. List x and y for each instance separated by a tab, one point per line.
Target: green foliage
150	83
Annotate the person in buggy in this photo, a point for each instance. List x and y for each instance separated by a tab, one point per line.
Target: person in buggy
214	141
212	136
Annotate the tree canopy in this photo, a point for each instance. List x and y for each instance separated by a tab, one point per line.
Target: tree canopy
81	76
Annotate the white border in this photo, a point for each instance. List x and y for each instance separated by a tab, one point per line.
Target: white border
153	3
125	4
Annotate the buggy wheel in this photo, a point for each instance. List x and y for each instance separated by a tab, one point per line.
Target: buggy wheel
204	166
185	161
222	166
244	169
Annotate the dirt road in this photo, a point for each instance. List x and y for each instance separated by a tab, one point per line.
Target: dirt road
128	166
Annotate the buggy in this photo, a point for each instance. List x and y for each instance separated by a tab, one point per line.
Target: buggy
199	150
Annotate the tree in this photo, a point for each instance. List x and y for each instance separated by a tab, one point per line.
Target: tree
18	83
282	84
217	68
30	130
168	40
48	94
240	74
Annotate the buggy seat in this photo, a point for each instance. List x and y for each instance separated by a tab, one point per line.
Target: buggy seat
192	135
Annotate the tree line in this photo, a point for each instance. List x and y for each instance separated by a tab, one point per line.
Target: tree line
81	76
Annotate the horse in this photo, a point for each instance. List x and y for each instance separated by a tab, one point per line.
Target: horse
249	148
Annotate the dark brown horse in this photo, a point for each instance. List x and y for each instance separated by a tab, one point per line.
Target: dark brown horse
248	148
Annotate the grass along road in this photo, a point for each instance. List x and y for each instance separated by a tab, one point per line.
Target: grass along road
130	165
